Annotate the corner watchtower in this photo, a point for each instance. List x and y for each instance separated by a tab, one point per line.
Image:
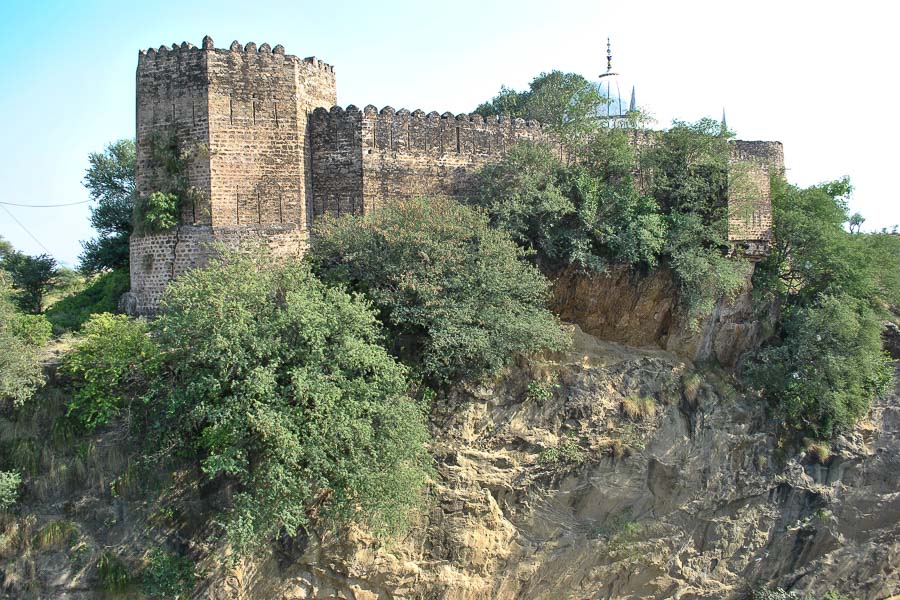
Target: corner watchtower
237	118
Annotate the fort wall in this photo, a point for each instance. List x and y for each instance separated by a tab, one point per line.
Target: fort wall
259	160
157	259
749	195
364	158
239	115
267	157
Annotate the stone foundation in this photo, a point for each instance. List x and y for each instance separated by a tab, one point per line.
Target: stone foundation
160	258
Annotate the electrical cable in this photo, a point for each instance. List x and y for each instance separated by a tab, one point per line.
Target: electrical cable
44	205
25	228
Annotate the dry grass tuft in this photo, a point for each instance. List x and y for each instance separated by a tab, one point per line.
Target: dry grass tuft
819	451
690	385
639	408
56	534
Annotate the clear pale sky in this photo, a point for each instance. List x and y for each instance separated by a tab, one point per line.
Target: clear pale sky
818	76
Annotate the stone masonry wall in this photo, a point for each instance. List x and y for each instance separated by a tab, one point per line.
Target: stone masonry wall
158	259
269	158
362	159
258	104
337	165
749	194
172	98
242	113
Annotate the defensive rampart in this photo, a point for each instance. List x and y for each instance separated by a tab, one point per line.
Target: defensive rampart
264	157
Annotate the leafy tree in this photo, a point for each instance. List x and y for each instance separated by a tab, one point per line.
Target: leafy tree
167	575
827	367
110	182
524	195
855	223
689	177
826	362
590	213
5	248
32	277
452	292
21	337
110	364
883	253
811	253
581	214
278	385
567	102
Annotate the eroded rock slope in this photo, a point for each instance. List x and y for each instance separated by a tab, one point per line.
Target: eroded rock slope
614	472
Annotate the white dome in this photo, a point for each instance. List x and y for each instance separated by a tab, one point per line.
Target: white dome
612	89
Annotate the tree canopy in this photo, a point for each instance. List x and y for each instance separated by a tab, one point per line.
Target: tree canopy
278	384
31	278
826	362
453	293
567	102
110	182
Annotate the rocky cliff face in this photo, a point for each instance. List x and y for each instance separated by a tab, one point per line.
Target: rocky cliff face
604	472
632	308
556	492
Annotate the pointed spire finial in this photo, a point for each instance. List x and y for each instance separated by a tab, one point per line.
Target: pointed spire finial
632	107
608	56
724	125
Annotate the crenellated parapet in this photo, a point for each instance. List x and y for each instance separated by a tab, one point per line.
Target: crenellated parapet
364	158
433	133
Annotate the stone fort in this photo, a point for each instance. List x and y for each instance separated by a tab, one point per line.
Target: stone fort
276	154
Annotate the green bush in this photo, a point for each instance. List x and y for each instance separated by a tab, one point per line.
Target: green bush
9	489
113	575
167	575
826	367
582	214
109	364
279	386
21	337
33	330
825	363
589	213
157	212
100	296
453	293
566	453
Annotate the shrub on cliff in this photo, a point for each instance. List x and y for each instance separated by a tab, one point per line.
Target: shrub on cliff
583	215
111	364
590	212
453	293
826	367
279	386
825	363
